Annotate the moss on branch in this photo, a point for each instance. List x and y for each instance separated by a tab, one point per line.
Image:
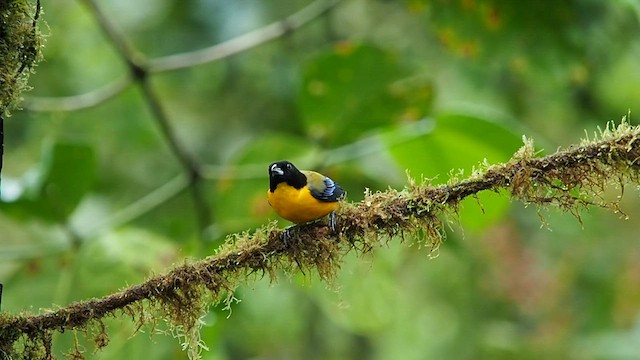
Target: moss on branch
569	179
20	44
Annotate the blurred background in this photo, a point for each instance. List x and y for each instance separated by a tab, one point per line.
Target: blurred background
95	199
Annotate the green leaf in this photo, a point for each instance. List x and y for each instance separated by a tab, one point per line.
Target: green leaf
355	88
459	142
455	142
36	284
128	255
65	174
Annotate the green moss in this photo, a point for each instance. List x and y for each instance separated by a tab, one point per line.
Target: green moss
20	44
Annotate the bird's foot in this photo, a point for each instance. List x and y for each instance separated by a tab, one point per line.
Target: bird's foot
332	222
288	233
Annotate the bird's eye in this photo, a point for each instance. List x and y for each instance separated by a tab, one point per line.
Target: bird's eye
288	166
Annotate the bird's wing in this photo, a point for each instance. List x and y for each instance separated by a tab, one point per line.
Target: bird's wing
323	188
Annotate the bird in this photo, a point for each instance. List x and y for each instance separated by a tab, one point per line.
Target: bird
302	196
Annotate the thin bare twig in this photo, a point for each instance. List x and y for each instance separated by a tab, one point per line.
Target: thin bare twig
78	102
140	74
191	167
141	206
184	60
133	58
244	42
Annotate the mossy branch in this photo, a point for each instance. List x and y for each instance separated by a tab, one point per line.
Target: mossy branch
567	179
20	45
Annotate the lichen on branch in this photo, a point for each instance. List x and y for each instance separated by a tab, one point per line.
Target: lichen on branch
569	179
20	45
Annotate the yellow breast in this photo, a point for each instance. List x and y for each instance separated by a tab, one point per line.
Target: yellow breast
298	205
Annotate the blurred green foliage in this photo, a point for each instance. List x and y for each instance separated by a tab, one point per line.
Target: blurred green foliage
369	90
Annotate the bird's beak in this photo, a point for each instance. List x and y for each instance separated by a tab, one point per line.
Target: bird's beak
275	170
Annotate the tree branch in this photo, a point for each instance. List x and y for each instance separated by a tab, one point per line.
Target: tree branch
21	48
246	41
81	101
139	71
568	179
139	207
1	148
184	60
190	166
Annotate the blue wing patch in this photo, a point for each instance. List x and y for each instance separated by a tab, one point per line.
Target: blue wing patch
331	192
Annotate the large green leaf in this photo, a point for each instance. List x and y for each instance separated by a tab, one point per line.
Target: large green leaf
456	144
120	257
354	88
52	191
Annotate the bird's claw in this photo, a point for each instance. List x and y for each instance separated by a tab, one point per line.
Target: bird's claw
332	222
287	234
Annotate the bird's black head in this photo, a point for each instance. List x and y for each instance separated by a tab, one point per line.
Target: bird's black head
284	171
